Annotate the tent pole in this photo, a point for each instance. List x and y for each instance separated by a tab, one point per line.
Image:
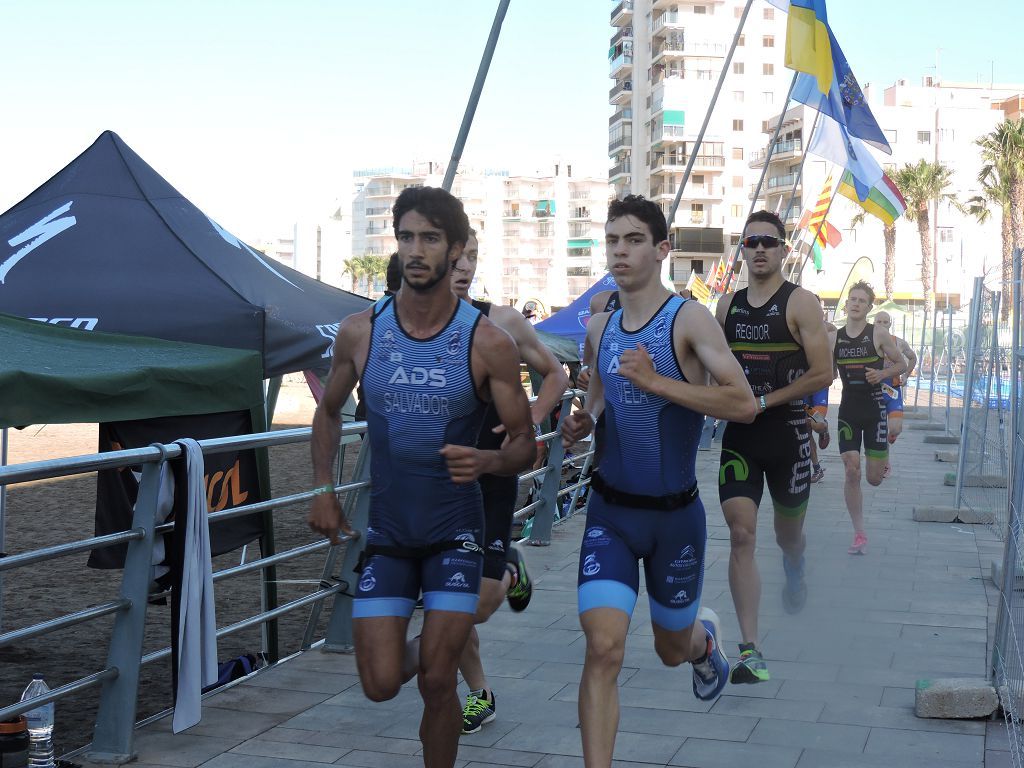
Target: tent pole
269	630
474	96
3	517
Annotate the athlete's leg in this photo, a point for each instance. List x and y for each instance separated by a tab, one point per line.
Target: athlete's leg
380	654
875	469
441	644
492	592
852	491
744	579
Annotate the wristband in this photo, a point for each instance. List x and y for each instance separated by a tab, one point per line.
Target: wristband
762	403
537	432
322	489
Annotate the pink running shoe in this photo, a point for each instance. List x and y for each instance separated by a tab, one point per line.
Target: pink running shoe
859	546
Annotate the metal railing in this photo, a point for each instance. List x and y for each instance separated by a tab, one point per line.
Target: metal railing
1008	647
113	739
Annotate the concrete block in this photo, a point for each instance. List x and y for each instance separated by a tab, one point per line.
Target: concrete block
927	425
955	697
947	456
941	439
995	572
926	514
914	415
977	481
974	516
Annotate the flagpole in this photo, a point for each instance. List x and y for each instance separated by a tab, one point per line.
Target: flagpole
803	160
821	224
764	172
474	96
707	116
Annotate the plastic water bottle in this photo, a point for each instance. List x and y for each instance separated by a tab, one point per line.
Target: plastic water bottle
40	726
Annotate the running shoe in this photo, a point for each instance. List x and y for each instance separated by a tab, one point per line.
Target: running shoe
478	712
859	546
823	440
751	667
711	673
519	594
817	473
794	592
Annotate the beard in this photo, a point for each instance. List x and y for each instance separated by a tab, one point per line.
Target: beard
442	272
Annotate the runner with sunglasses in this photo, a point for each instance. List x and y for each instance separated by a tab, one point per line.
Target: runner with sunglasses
775	331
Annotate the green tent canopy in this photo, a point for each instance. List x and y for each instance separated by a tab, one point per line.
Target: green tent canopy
55	375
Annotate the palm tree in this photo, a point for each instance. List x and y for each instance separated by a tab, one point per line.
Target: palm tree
1002	179
922	184
890	252
995	193
369	265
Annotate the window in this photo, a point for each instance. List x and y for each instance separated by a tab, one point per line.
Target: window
697	178
742	40
924	137
890	135
737	182
946	134
769	14
734	239
737	68
737	12
737	153
696	213
767	69
736	211
697	265
700	9
945	234
767	97
768	41
737	125
737	96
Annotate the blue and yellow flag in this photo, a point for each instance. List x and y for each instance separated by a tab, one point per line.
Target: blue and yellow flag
808	47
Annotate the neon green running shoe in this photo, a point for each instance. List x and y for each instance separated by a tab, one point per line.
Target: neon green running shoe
750	667
477	712
518	595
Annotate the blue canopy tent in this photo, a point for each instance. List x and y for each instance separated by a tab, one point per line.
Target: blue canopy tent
571	322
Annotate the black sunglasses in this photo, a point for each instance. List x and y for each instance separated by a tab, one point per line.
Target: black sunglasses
768	241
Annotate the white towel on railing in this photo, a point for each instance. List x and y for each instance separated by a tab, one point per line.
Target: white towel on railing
197	624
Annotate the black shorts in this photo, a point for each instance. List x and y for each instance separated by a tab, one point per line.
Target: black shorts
776	451
499	507
864	419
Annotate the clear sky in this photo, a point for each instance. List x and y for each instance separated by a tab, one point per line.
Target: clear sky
253	108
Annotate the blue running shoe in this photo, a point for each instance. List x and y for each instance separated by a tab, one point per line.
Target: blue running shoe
794	592
711	673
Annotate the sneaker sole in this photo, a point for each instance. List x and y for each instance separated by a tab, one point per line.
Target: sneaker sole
708	615
741	675
480	727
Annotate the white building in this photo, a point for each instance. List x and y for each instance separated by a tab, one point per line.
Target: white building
935	122
541	236
665	60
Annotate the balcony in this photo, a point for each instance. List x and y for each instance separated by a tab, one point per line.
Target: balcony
626	113
676	46
626	33
667	191
668	134
622	13
621	92
784	150
788	180
373	212
372	230
667	21
620	169
621	65
677	163
614	145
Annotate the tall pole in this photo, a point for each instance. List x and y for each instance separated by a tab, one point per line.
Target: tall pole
707	115
803	159
821	224
764	172
474	96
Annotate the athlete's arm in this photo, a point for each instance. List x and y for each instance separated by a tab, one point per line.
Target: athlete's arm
722	308
887	347
499	360
805	312
325	515
697	335
909	355
597	304
580	423
537	356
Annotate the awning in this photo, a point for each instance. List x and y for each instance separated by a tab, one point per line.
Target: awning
583	243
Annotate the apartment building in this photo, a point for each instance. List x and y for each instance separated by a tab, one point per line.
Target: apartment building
934	121
665	59
541	236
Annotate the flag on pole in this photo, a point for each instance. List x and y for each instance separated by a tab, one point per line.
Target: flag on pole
814	220
832	141
817	256
844	102
883	200
698	288
808	48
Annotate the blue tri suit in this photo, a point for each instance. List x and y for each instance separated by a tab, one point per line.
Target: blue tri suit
648	508
420	395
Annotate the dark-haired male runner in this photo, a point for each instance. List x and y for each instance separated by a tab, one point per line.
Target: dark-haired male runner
775	330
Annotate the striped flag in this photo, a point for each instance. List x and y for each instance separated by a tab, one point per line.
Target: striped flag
814	220
883	201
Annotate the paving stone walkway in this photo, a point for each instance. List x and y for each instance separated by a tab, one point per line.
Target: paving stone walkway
917	605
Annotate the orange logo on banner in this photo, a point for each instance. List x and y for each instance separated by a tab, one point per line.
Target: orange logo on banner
230	489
